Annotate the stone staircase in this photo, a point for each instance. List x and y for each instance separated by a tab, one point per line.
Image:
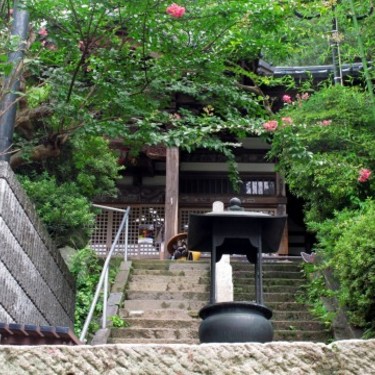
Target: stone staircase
162	302
282	281
163	299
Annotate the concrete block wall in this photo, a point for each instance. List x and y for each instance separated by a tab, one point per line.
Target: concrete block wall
36	285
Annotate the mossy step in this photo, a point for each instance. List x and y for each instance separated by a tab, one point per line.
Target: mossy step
268	297
249	288
147	304
191	305
171	286
269	282
300	315
161	323
301	325
134	341
268	274
155	333
161	273
160	314
167	295
291	325
268	267
286	306
298	335
190	280
169	264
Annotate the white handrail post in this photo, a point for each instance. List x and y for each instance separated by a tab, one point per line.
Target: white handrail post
126	240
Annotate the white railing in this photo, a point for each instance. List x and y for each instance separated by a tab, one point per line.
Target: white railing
104	276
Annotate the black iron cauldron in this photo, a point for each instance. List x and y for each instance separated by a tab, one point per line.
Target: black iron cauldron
235	322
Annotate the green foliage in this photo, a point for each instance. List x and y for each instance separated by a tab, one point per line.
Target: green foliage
86	269
347	246
321	163
89	163
65	212
320	154
118	322
315	292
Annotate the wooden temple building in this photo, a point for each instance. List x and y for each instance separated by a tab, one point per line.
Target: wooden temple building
164	186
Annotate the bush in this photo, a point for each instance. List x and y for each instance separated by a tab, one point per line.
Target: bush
86	269
346	244
320	162
67	214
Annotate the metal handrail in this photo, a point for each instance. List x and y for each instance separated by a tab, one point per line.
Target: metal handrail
103	280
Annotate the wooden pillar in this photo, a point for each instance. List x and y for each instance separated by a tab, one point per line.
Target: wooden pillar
281	210
171	195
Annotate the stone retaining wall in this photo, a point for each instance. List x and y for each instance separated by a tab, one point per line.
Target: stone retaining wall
354	357
36	286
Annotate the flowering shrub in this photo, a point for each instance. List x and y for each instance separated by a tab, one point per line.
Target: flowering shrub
287	99
328	136
364	175
287	120
319	155
270	126
43	32
325	122
176	11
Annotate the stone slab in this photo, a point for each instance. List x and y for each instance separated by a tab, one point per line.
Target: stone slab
281	358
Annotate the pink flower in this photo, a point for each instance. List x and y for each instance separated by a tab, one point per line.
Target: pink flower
286	99
175	116
364	175
325	122
43	32
305	96
287	120
270	126
176	11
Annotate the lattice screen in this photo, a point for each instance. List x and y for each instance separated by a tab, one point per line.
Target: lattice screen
108	222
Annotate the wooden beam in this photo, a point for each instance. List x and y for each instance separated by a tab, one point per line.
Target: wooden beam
171	194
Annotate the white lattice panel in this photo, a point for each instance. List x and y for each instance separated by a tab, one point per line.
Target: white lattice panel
108	222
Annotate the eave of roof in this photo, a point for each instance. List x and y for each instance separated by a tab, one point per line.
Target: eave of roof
315	71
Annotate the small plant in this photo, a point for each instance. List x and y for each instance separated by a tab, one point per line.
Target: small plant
118	322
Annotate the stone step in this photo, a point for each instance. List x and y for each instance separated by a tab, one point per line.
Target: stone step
173	313
171	286
190	305
268	297
292	315
121	340
168	295
193	279
143	305
268	281
155	333
269	267
183	336
164	273
269	275
170	265
176	323
302	325
159	314
249	288
298	335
